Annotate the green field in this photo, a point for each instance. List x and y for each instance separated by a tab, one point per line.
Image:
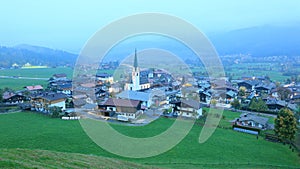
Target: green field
18	84
225	149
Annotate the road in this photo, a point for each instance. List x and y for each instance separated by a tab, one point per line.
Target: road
21	77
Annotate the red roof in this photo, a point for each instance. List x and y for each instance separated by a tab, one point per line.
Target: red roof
121	102
37	87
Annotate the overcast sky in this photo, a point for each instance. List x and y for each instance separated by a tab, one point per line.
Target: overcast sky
68	25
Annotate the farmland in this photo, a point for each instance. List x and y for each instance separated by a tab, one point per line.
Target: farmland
225	149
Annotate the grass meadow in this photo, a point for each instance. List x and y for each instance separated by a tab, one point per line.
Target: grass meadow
28	131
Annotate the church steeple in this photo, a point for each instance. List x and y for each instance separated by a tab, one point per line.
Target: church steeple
135	63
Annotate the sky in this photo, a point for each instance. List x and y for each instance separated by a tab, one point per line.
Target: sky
68	25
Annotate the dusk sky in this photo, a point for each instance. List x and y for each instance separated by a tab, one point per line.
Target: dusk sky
68	25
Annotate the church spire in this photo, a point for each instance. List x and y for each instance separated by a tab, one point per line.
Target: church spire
135	64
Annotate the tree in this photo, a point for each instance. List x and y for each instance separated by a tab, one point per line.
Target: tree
242	91
213	102
1	95
285	125
55	111
236	104
283	92
258	105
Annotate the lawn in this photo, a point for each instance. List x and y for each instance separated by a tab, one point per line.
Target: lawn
19	84
38	73
225	149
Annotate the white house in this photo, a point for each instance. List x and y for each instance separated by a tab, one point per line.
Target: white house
187	108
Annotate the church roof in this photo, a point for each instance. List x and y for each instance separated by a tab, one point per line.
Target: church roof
134	95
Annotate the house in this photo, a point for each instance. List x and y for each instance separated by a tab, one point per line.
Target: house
42	102
60	76
143	97
34	89
205	96
187	108
251	121
248	84
265	88
105	77
65	88
115	88
275	105
230	96
13	98
190	91
124	108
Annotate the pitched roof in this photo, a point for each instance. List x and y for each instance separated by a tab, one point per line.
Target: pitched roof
121	102
53	96
36	87
59	75
255	118
192	103
7	95
134	95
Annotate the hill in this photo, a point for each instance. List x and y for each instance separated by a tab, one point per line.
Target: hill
24	158
225	149
259	41
35	55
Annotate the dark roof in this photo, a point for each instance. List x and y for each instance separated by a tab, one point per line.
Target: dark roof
255	118
65	86
53	96
121	102
250	82
103	75
60	75
191	103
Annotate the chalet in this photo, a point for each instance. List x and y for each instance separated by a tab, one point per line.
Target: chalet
65	88
251	121
205	96
265	88
187	108
60	76
230	96
275	105
124	108
34	89
248	84
13	98
105	78
190	91
43	101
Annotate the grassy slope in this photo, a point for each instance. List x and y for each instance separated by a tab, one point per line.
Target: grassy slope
225	148
24	158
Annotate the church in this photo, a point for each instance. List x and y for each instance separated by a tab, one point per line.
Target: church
138	81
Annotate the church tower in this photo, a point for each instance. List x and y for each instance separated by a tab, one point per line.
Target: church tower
139	80
135	74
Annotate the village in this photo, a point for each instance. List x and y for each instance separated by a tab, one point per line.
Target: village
148	94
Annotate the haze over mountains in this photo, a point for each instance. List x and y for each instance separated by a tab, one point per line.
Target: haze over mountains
256	41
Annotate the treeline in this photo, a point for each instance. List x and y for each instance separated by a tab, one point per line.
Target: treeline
35	55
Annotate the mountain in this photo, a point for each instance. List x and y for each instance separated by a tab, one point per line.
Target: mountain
35	55
259	41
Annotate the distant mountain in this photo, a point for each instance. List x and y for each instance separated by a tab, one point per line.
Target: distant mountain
35	55
259	41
